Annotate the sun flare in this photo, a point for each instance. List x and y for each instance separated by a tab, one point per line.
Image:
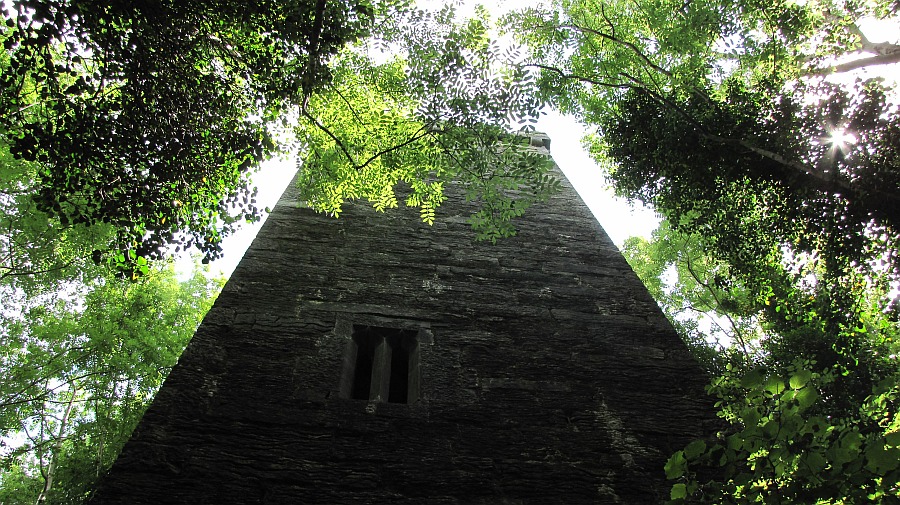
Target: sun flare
841	138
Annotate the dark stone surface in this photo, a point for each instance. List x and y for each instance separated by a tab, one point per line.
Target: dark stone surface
551	375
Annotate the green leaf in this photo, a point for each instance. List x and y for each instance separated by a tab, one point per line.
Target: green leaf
679	492
774	385
815	462
800	379
676	465
752	379
806	397
750	417
881	460
694	449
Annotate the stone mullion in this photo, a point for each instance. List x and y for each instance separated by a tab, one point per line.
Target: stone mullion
381	372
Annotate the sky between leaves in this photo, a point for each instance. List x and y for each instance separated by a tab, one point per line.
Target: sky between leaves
618	217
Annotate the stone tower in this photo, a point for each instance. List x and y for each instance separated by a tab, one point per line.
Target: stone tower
375	359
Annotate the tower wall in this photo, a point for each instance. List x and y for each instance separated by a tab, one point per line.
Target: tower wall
544	371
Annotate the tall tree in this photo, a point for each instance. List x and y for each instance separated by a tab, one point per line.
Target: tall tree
705	118
149	116
820	197
812	412
715	315
80	367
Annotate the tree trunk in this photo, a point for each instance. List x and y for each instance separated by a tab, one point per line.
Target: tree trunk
57	448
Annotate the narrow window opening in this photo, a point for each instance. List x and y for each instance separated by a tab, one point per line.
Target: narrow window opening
366	344
399	388
386	364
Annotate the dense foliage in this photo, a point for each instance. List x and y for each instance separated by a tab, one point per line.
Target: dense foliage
148	116
79	367
714	314
812	411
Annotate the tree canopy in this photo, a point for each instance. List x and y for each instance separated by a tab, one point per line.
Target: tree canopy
705	108
80	367
147	117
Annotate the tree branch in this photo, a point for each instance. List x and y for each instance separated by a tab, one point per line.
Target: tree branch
422	132
313	49
616	40
884	204
328	132
735	332
13	272
765	153
580	78
349	106
57	449
878	59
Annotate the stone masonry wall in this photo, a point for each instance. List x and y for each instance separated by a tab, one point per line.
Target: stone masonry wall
547	372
